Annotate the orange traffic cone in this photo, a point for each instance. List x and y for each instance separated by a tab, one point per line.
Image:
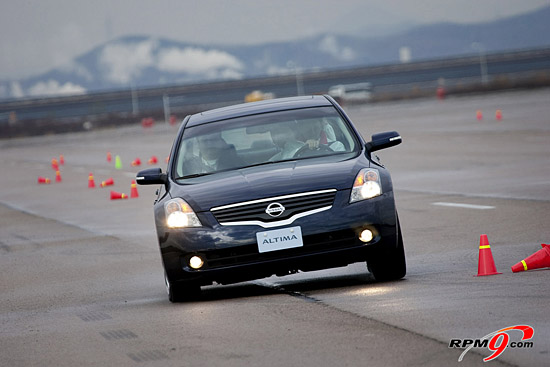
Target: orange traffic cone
152	160
57	176
479	115
498	115
134	192
118	195
91	183
43	180
440	92
540	259
61	159
136	162
486	265
109	157
107	182
55	164
147	122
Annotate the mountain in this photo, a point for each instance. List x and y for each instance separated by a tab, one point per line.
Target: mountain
141	61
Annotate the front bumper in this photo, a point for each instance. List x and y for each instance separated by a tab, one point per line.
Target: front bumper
330	239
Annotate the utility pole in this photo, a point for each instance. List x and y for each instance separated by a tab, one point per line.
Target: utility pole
299	79
166	103
135	102
482	62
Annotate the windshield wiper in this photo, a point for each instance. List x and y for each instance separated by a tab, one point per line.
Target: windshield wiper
259	164
193	175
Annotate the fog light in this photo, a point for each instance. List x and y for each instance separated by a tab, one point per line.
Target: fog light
196	262
366	235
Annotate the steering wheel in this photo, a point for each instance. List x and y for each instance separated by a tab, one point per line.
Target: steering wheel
320	148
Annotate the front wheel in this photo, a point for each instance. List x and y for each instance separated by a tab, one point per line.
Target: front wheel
389	264
181	292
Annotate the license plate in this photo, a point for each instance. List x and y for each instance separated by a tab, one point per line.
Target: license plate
279	239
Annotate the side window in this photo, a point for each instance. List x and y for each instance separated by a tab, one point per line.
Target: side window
243	140
341	133
236	137
251	147
188	152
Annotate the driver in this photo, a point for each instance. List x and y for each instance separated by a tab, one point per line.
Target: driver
283	136
321	134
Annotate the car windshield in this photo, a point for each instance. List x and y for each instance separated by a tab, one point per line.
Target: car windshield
262	139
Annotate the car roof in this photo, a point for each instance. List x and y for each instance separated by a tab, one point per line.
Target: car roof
252	108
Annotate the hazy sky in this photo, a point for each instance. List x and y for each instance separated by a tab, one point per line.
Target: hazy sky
37	35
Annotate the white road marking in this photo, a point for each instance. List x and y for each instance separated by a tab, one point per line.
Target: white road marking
466	206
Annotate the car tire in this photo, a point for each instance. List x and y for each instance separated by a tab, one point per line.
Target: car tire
181	291
389	264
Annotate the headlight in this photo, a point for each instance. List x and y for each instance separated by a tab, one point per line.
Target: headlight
179	214
366	185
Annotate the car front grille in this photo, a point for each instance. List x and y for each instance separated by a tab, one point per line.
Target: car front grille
282	208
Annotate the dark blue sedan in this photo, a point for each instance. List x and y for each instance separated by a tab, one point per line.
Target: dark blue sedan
272	188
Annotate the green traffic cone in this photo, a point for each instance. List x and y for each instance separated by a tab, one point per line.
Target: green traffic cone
118	163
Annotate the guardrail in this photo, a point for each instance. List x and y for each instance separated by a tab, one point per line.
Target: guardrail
521	69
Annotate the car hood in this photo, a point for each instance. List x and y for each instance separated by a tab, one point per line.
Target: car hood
283	178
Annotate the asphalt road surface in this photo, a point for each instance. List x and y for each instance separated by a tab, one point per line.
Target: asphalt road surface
82	282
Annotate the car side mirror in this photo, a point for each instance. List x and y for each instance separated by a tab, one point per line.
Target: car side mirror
151	176
383	140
